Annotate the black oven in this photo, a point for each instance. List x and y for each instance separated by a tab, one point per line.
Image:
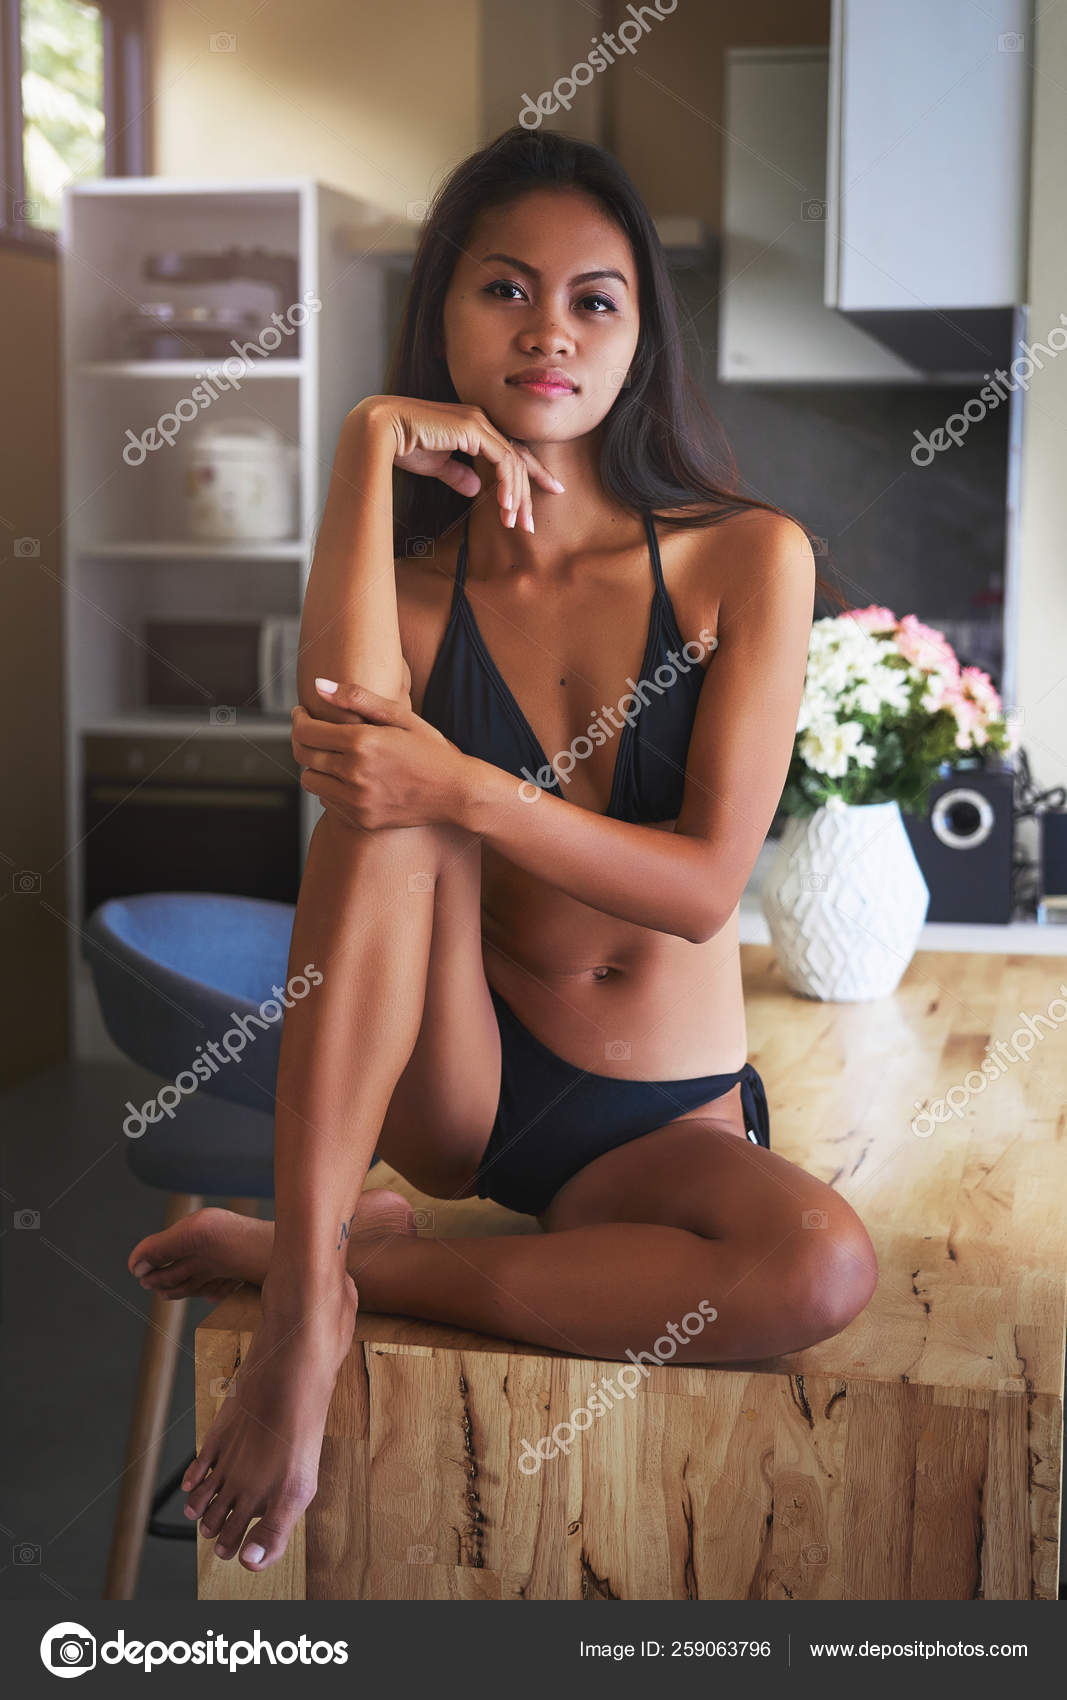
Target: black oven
190	813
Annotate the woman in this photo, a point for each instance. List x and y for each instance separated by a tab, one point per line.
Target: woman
531	984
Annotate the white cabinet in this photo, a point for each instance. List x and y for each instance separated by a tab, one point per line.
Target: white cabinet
928	166
128	554
774	324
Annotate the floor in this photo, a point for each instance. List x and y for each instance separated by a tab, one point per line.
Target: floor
74	1326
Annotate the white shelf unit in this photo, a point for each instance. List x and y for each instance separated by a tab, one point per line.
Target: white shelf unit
125	555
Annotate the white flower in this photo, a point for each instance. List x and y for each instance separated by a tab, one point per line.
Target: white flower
827	747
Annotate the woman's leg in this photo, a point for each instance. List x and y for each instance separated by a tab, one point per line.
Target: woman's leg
632	1242
365	921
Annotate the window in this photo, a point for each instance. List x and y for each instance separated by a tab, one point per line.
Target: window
72	99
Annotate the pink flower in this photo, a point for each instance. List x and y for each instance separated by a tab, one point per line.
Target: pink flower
926	648
979	688
970	721
872	619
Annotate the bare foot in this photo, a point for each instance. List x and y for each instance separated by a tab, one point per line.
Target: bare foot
209	1252
260	1456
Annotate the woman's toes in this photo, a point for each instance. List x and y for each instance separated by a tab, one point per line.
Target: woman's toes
233	1532
215	1516
169	1275
201	1496
268	1538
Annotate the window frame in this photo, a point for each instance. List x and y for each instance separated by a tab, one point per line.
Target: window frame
124	55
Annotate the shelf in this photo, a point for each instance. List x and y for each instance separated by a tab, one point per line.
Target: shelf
265	368
285	549
128	549
144	723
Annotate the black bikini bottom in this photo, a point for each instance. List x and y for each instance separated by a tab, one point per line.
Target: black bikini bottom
552	1118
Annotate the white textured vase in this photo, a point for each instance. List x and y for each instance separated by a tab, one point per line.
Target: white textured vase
845	901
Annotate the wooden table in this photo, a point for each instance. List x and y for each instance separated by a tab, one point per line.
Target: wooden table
915	1455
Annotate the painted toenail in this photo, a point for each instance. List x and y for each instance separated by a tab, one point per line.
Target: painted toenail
142	1268
253	1553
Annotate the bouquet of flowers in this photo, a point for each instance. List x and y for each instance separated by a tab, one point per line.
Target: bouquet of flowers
885	704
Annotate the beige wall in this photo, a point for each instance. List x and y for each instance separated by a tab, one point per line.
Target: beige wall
33	936
1041	691
377	100
383	100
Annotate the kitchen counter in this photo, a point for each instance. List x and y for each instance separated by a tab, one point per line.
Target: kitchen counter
1024	938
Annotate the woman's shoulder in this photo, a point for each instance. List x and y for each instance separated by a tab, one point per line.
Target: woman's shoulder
741	534
706	565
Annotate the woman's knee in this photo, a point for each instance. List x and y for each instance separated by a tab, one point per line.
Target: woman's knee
431	847
831	1269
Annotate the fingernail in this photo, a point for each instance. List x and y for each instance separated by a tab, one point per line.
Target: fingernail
557	483
254	1553
187	1482
529	522
141	1268
327	686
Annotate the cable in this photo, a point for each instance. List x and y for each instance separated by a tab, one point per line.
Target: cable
1030	803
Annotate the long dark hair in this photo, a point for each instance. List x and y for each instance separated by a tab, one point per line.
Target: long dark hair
662	446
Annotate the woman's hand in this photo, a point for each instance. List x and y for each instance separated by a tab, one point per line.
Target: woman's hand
384	767
427	434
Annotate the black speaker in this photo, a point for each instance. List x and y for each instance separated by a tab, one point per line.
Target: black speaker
1054	861
964	845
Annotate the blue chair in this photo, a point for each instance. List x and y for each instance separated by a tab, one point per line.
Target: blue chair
175	972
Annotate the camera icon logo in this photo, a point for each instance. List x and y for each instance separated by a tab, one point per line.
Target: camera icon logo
68	1649
419	548
27	1218
28	546
26	882
223	714
617	1050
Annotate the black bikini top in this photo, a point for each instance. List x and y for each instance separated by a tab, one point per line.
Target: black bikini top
469	701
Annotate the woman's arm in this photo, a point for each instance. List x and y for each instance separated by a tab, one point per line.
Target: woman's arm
394	769
687	882
349	627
